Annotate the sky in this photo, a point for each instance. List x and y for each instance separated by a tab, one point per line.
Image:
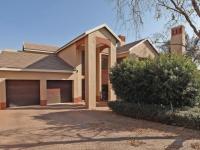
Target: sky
56	22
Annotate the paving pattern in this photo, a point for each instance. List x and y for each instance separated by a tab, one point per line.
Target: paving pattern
73	127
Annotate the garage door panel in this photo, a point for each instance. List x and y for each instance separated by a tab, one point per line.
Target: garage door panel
59	91
22	92
53	96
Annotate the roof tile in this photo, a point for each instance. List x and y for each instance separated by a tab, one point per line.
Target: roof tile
126	47
40	48
28	60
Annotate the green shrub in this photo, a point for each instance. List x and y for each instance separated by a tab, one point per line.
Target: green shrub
167	80
152	112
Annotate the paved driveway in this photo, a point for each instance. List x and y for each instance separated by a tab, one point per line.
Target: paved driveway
75	128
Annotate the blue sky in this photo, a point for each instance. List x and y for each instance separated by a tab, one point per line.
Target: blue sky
58	21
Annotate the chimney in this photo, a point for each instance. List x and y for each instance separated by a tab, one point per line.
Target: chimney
123	40
178	42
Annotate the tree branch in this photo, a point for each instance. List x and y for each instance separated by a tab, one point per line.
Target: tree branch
196	7
187	18
161	3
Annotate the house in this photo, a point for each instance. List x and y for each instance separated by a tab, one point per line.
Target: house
141	49
43	74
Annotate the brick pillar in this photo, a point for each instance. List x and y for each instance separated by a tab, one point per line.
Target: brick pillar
2	94
43	92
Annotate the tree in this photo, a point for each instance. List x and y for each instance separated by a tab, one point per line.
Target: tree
174	11
193	49
167	80
192	46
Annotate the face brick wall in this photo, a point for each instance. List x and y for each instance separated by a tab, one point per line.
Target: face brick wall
178	42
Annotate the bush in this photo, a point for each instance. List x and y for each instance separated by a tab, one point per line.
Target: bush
152	112
167	80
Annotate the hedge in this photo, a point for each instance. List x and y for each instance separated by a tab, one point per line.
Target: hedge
168	80
190	117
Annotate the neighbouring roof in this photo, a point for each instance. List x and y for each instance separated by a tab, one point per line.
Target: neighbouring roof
35	61
39	48
126	47
88	32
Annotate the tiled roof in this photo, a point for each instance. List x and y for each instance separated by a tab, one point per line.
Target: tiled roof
28	60
126	47
40	48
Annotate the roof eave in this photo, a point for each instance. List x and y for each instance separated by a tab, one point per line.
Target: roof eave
103	26
119	53
156	50
35	70
142	41
39	51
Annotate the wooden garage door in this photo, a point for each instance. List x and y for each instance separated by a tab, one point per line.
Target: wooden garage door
22	92
59	91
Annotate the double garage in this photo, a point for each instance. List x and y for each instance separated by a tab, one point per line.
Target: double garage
27	92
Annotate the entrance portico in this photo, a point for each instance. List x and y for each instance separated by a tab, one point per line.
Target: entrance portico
93	47
88	50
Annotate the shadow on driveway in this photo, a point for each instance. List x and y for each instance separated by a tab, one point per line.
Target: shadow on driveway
117	139
80	125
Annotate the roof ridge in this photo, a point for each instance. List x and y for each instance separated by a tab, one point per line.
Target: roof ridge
128	46
40	44
42	48
80	36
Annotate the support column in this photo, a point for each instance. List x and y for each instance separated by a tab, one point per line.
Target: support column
98	76
43	92
2	93
77	94
111	63
90	71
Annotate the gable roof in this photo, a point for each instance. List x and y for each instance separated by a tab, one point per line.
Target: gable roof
33	61
86	33
127	47
39	48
